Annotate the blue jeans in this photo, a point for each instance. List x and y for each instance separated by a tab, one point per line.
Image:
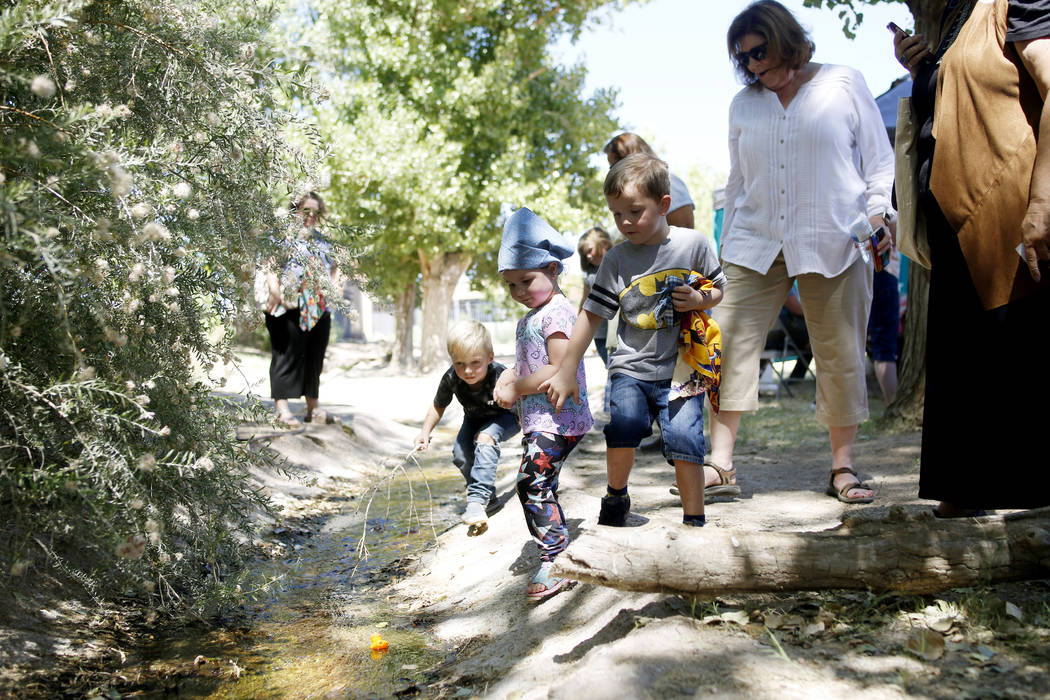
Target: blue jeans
478	462
634	404
884	321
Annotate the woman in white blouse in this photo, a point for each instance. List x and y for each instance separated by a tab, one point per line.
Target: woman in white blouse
809	156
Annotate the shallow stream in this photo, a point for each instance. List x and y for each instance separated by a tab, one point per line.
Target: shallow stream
311	635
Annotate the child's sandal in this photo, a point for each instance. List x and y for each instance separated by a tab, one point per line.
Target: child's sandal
550	583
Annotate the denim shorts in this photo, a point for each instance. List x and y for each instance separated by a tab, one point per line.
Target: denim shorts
634	405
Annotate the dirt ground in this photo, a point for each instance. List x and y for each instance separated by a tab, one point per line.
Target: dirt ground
597	642
467	594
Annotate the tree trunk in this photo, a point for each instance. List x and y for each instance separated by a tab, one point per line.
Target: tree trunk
404	315
906	408
927	14
440	275
906	552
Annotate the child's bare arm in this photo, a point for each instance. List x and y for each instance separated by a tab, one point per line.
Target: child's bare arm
563	383
422	440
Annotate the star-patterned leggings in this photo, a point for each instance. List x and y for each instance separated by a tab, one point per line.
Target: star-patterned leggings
544	453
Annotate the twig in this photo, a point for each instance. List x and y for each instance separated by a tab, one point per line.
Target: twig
54	71
147	35
362	548
33	116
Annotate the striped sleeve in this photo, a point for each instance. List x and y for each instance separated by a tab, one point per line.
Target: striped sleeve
604	297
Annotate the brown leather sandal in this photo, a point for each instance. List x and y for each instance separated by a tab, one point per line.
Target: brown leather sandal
722	488
841	493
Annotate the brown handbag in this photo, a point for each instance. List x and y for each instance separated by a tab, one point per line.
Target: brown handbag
911	225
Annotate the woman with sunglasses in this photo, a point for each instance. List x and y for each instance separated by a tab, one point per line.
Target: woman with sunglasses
809	157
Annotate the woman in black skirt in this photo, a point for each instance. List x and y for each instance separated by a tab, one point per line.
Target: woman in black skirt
978	97
299	326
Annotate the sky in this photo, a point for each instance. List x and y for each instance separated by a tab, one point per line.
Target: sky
668	60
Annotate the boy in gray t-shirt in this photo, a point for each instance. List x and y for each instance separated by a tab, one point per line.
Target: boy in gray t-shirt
642	280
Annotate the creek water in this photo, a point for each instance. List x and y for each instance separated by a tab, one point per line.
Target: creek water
310	635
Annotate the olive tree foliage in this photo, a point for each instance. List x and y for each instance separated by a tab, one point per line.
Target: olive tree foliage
443	115
851	12
142	157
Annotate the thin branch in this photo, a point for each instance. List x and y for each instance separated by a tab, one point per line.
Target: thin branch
54	71
62	199
146	35
33	116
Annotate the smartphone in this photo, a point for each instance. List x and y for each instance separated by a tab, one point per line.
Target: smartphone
892	26
881	260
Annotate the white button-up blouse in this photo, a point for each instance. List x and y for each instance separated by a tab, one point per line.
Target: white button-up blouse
800	177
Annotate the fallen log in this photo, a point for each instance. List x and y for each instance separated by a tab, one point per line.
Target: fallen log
905	551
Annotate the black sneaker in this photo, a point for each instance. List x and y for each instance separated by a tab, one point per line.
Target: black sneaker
493	505
614	510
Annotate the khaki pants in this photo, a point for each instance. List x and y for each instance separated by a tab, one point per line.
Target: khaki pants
836	311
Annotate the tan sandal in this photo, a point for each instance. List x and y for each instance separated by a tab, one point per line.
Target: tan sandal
841	493
722	488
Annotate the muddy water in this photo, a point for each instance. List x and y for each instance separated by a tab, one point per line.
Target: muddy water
311	636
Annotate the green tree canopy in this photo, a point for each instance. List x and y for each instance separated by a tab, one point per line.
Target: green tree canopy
443	114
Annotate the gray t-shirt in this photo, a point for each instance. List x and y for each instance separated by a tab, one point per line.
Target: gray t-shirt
603	329
632	280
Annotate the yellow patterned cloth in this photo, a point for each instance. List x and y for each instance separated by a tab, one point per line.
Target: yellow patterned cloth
699	366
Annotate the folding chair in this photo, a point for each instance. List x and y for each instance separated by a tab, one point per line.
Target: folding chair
787	351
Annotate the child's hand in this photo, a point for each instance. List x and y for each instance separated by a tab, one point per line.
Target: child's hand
685	298
503	393
421	442
560	387
505	396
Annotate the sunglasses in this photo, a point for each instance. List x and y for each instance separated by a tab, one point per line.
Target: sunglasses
758	53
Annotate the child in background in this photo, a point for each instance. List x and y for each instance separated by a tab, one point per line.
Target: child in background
471	379
593	246
658	273
530	256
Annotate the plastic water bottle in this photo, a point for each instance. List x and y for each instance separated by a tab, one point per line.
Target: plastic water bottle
861	232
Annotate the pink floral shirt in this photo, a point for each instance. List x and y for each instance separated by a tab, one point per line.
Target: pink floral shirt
536	412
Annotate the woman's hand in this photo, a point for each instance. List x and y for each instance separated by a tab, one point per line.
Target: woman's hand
1035	234
910	50
887	241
